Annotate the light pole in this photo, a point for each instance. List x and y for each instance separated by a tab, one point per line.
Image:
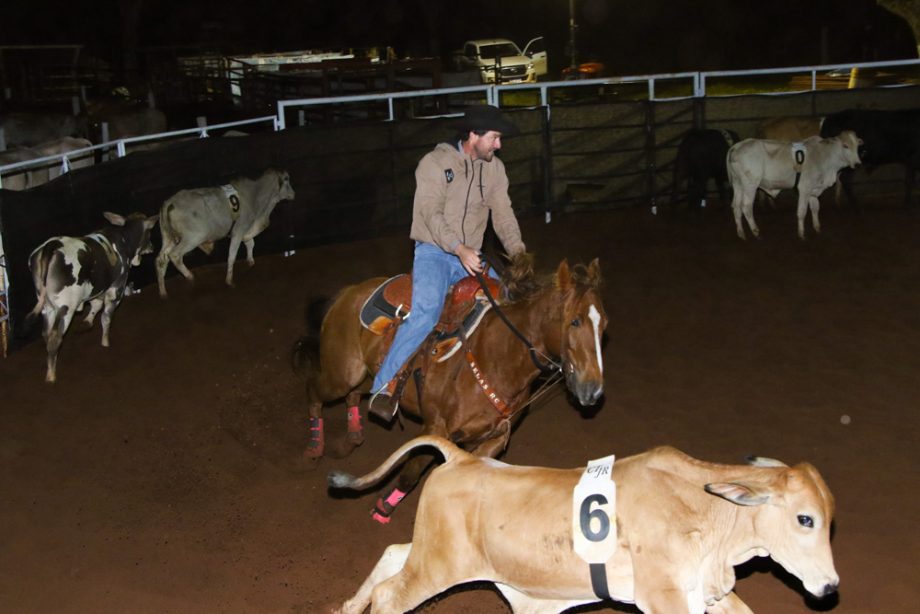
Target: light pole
572	28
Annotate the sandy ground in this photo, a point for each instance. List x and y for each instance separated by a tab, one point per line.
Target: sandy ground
163	474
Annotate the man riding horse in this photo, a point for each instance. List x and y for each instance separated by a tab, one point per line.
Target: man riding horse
457	185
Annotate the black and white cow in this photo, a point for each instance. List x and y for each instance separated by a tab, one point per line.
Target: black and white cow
889	137
201	216
71	271
700	157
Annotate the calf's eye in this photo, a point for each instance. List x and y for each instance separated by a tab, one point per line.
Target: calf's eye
806	521
576	322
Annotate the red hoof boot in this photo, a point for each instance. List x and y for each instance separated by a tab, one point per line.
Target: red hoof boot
316	445
355	428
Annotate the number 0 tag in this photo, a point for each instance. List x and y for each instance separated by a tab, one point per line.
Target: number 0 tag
594	521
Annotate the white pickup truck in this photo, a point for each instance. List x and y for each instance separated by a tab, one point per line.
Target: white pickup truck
499	60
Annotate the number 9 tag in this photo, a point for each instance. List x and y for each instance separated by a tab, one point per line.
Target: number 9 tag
594	521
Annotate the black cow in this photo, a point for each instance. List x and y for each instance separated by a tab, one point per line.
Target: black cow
889	137
701	156
69	271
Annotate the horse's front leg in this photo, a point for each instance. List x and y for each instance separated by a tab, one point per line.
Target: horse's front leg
495	446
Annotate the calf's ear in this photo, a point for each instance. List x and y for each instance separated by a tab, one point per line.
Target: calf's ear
738	492
114	218
151	221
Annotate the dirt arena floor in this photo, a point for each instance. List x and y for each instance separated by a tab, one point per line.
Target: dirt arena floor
163	474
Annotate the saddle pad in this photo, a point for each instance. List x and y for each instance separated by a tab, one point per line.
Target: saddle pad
378	313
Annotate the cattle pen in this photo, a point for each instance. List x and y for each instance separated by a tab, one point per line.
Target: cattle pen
585	145
165	473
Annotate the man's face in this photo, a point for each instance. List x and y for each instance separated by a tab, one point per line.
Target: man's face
485	146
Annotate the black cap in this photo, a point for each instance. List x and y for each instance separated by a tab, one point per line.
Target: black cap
486	117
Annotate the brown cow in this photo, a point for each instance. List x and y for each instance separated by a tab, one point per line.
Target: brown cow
681	527
792	128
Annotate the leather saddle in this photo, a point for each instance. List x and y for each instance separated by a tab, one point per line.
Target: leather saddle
464	307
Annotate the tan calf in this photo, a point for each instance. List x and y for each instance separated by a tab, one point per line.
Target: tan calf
682	526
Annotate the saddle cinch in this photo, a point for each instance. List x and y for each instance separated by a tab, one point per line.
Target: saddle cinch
466	304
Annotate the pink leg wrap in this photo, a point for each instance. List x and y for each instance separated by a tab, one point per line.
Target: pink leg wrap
395	497
354	419
385	506
317	440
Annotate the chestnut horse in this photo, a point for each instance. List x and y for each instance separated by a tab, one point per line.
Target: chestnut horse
563	319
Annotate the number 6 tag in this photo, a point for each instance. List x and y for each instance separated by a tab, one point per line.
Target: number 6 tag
594	521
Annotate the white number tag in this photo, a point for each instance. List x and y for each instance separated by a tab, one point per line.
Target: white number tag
594	520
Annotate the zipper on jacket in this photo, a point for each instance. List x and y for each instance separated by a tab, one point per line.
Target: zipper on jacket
466	205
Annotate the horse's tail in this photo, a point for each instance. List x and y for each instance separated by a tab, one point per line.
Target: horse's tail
305	354
305	351
340	479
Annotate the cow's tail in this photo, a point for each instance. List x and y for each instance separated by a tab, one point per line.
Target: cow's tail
340	479
39	263
166	228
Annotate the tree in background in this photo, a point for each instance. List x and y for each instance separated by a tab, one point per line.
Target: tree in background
909	10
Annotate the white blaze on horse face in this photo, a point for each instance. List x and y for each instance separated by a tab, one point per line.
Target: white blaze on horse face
595	317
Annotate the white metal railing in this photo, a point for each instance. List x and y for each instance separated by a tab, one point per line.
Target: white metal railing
488	90
812	70
120	145
492	95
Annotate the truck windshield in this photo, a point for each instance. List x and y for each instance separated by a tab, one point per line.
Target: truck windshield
499	50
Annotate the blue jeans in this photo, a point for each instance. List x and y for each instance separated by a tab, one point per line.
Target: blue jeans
434	271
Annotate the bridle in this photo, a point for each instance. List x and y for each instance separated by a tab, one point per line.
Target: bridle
545	369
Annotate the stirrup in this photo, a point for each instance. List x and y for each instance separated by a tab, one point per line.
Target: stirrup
383	405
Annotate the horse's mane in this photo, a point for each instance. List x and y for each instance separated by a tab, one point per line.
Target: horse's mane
522	284
519	280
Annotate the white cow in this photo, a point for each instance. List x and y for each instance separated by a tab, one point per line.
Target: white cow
65	146
199	217
43	172
20	179
681	525
772	166
22	129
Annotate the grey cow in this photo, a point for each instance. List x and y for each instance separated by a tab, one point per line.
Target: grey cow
200	216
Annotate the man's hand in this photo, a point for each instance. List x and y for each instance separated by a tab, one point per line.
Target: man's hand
469	258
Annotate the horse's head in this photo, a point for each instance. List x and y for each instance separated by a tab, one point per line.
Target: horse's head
583	323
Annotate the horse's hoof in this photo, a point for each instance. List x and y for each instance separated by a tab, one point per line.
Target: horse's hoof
380	517
313	453
341	448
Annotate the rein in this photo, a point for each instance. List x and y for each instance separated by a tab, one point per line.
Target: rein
553	367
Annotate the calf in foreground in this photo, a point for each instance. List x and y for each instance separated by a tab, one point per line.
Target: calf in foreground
682	524
810	166
201	216
71	271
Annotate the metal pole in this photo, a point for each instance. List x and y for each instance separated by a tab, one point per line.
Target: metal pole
572	28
